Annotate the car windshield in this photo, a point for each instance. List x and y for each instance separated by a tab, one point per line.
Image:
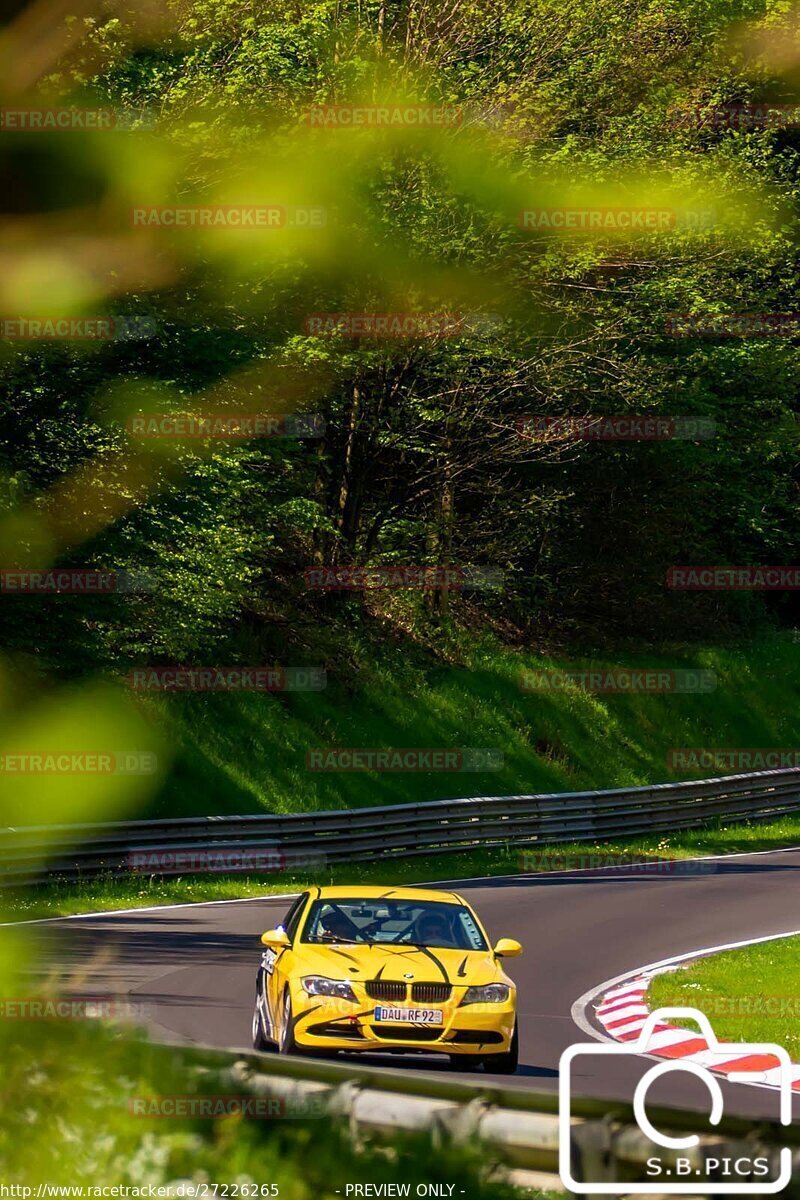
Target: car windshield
394	922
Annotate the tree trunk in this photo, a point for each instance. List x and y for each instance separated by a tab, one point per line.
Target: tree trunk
440	541
344	508
381	26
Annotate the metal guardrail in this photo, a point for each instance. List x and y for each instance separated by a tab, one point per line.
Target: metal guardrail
272	842
518	1128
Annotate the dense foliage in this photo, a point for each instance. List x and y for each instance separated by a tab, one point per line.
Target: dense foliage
421	461
424	452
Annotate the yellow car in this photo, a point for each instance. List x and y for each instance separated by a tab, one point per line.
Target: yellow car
397	970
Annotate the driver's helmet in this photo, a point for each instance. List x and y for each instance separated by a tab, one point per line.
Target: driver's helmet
335	924
433	927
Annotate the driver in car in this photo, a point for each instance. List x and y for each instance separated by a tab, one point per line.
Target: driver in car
433	929
334	926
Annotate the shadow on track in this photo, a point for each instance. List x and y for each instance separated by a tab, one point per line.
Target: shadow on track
438	1064
160	941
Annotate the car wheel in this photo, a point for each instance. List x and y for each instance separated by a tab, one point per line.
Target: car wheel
260	1041
505	1064
286	1042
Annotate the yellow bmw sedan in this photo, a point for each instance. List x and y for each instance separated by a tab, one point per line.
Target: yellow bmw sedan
387	970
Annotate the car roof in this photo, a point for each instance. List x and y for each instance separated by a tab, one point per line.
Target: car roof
386	892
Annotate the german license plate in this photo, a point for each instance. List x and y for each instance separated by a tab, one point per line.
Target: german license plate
410	1016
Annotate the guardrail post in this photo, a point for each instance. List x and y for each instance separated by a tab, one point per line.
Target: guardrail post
341	1102
592	1152
459	1125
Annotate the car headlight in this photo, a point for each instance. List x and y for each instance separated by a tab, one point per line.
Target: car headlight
318	985
492	993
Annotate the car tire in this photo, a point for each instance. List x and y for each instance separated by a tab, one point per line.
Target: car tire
505	1064
286	1040
260	1040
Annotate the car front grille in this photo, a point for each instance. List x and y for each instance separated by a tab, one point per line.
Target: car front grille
395	992
379	989
431	993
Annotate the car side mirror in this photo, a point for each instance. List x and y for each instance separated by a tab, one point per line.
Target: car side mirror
507	948
276	938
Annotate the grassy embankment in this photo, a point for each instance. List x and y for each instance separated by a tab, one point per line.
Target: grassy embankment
749	995
247	753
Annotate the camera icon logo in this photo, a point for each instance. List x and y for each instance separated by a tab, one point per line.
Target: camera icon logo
680	1164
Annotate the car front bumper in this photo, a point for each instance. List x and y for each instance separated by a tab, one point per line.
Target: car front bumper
476	1030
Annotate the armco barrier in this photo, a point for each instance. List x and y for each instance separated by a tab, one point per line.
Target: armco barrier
518	1128
299	841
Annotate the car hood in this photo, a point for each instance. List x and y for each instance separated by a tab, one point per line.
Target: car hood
403	964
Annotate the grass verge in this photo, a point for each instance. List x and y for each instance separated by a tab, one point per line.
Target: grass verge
749	995
115	892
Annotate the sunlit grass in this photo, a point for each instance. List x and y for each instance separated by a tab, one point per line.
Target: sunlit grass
247	753
749	995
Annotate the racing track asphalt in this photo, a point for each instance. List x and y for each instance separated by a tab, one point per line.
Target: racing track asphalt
194	966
